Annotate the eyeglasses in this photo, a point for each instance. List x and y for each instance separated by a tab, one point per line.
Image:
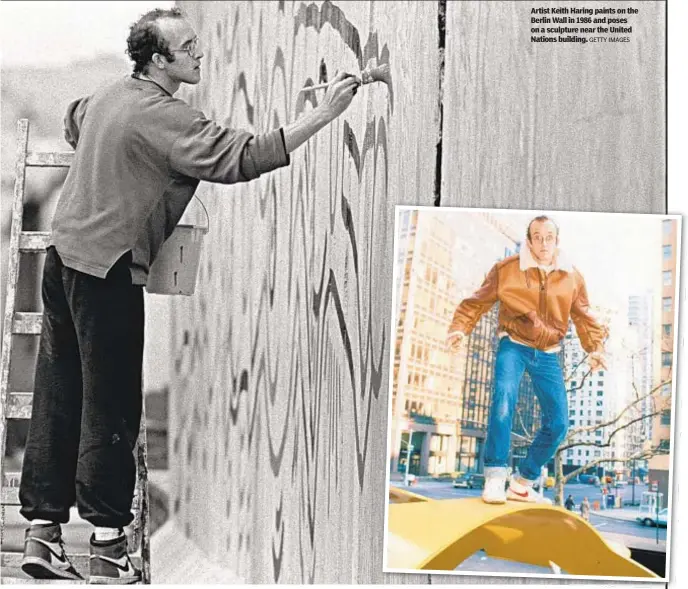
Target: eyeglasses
191	48
549	239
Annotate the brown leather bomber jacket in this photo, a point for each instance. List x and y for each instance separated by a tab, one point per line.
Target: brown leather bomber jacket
535	307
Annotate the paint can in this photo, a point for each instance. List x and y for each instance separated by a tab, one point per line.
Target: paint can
175	268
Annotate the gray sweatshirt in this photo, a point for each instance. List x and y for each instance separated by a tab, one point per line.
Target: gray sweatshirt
139	156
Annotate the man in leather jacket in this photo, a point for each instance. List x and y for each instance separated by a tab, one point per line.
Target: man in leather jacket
538	291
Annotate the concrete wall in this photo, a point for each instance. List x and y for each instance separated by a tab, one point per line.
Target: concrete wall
280	360
563	126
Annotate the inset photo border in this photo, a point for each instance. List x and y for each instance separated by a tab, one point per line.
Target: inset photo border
532	393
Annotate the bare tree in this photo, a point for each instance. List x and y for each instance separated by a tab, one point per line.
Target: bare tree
630	415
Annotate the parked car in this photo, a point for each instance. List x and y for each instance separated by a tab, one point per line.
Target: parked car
470	481
461	482
659	520
620	483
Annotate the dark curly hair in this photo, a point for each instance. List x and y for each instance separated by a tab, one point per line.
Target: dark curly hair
145	38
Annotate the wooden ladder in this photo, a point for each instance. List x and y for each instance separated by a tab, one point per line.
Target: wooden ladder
17	405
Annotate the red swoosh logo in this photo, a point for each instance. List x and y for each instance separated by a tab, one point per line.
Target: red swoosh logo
519	494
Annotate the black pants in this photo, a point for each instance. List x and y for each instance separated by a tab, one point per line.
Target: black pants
87	397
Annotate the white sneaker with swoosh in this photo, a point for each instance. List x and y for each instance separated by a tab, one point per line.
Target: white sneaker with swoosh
494	489
525	494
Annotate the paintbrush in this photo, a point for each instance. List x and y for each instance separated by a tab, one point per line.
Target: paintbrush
370	74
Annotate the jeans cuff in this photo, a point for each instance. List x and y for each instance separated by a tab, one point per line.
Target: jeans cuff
495	471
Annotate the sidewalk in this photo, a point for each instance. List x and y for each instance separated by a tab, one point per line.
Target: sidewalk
621	513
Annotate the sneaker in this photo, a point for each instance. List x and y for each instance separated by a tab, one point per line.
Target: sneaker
494	489
110	564
525	493
44	555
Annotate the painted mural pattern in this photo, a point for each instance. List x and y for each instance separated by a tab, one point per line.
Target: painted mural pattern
279	399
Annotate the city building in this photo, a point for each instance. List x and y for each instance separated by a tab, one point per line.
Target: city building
591	403
642	340
661	429
439	398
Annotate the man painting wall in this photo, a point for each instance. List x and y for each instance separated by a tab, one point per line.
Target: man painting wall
140	154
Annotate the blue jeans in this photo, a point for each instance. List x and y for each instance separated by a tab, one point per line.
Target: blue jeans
548	381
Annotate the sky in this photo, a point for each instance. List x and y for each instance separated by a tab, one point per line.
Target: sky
55	33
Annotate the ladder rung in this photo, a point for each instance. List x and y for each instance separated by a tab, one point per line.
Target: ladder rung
10	488
34	241
27	323
49	159
19	406
80	562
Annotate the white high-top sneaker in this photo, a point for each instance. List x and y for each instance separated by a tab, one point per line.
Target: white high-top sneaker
494	491
523	491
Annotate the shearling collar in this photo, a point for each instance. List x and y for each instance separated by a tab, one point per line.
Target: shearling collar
561	260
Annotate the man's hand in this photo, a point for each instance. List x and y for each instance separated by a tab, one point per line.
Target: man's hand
455	339
597	361
337	99
339	94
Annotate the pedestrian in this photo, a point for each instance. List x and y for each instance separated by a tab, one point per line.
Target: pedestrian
570	504
585	509
538	291
140	154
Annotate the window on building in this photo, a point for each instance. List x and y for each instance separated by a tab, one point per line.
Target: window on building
587	452
666	417
598	413
600	383
666	389
666	277
572	412
572	422
666	226
598	433
600	393
580	452
600	373
666	304
581	412
599	403
598	453
666	329
667	358
667	252
664	445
